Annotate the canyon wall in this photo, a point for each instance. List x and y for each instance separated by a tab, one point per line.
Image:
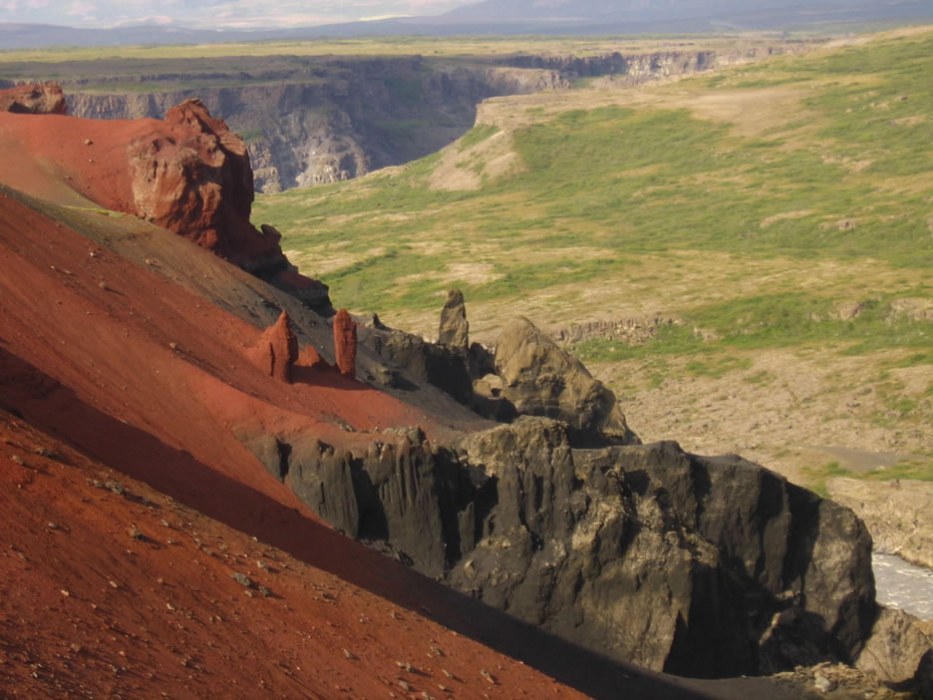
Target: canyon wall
311	121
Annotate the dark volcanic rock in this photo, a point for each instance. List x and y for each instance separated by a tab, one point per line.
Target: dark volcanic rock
34	98
924	676
421	361
697	566
345	343
541	379
454	331
894	652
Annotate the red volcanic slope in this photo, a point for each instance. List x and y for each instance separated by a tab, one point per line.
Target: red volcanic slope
151	355
110	589
116	374
188	173
111	373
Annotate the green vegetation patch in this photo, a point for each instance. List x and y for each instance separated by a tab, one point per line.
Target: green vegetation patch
829	205
476	136
912	469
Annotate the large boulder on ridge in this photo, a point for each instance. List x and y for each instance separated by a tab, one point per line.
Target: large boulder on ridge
34	98
541	379
193	176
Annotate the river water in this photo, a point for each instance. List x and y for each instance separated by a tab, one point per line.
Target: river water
902	585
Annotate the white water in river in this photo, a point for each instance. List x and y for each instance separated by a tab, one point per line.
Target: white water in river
902	585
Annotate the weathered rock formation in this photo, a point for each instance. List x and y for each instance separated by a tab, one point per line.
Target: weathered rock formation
541	379
34	98
727	568
277	350
345	343
454	331
193	177
894	652
409	357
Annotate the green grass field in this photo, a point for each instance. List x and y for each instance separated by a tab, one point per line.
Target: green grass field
628	182
756	204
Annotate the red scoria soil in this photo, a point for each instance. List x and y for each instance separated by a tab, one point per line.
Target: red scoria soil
111	589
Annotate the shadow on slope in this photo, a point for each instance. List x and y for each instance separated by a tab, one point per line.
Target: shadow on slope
55	408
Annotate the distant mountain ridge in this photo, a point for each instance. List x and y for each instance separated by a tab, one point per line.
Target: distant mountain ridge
513	17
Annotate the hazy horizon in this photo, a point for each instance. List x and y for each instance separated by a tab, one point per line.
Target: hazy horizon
213	14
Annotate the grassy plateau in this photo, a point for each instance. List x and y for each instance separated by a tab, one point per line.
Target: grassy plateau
779	214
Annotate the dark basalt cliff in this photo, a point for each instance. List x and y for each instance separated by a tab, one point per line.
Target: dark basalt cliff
698	566
706	567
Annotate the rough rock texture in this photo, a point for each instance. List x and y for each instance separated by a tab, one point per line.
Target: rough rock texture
410	358
196	180
277	350
897	513
541	379
34	98
728	568
345	343
454	330
897	644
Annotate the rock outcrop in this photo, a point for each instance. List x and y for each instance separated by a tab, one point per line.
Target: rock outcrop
541	379
728	568
454	331
277	350
34	98
345	343
894	652
194	178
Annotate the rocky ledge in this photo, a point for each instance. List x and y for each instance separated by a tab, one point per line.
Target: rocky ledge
194	178
698	566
